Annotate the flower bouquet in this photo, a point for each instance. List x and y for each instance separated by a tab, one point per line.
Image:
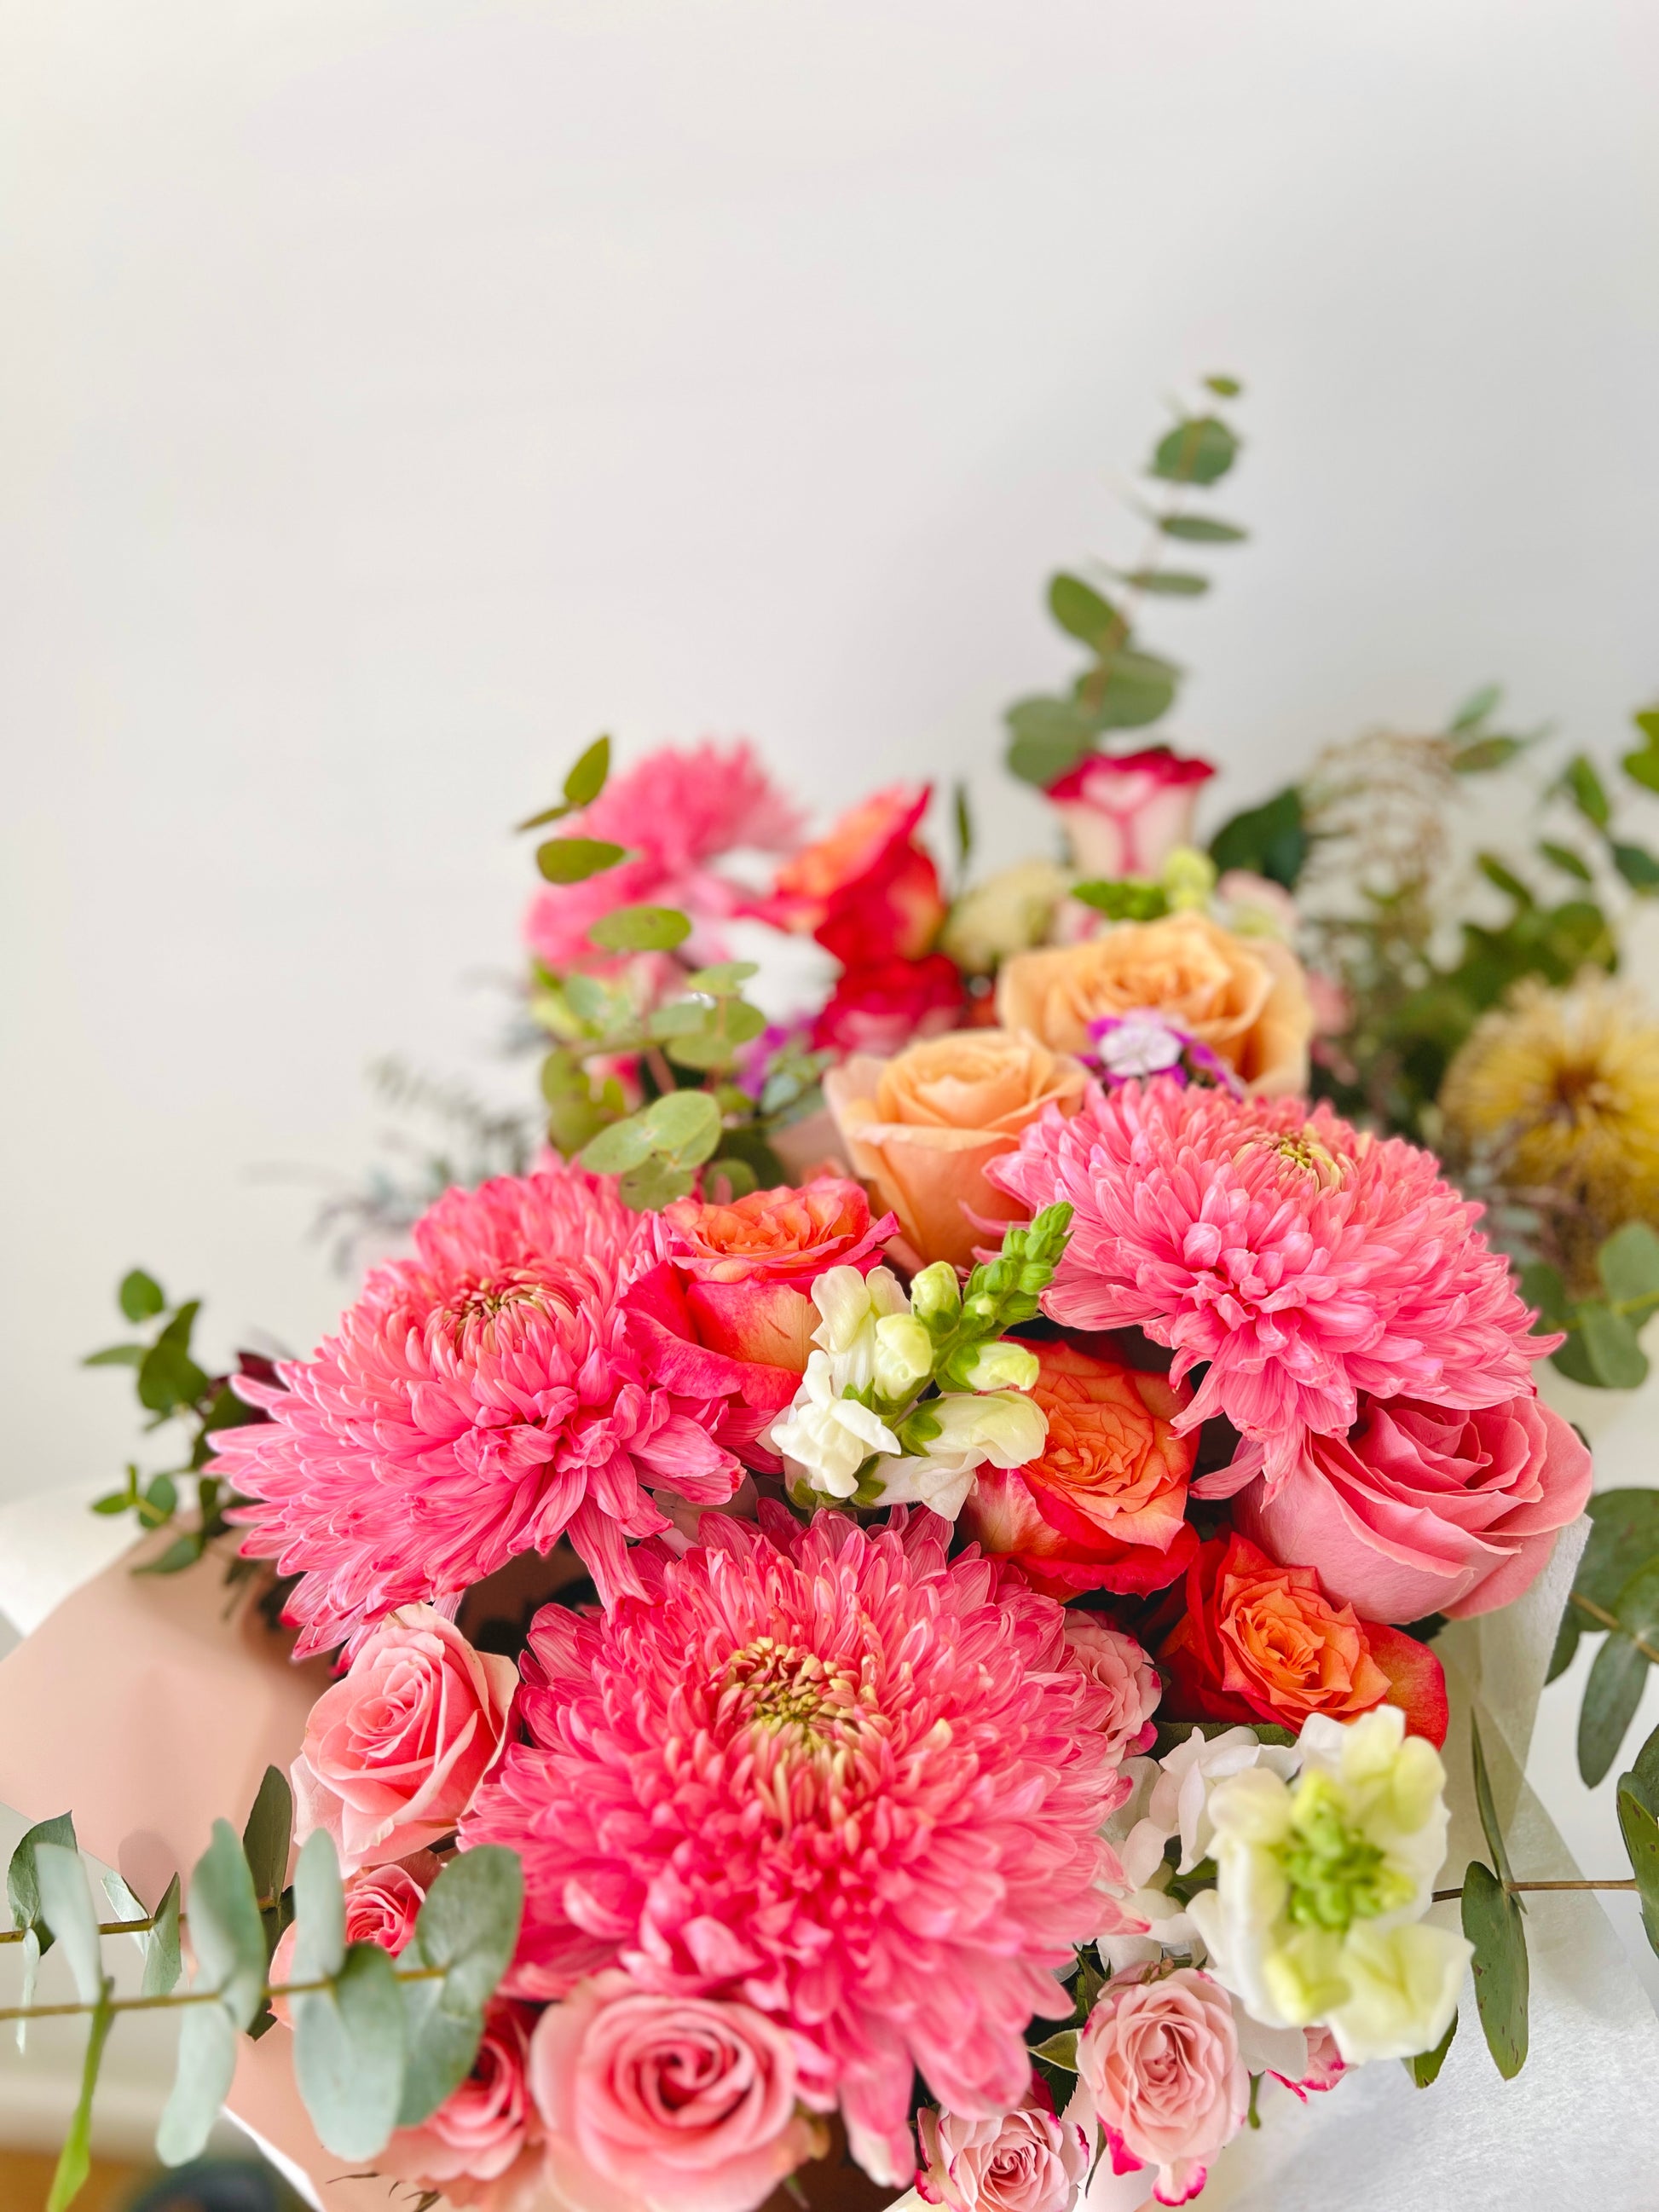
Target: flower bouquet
870	1617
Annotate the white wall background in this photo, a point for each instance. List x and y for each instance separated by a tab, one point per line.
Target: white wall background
394	393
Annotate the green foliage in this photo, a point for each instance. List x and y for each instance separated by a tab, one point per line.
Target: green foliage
1484	1804
1425	2068
349	2053
1639	1823
1586	790
581	787
1615	1591
573	859
1603	1348
22	1880
140	1297
162	1961
641	929
1642	766
1638	867
206	2066
1270	840
467	1929
1129	900
67	1908
226	1933
1492	1922
1126	687
75	2159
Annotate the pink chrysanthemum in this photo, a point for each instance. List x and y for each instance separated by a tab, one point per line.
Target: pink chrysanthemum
1302	1261
675	812
832	1772
481	1399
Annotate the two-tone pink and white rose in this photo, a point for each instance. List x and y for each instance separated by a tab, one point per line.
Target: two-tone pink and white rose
1160	2059
1425	1509
654	2103
1125	815
394	1753
1026	2160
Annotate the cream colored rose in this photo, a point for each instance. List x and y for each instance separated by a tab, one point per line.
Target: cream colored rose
1245	999
923	1128
1007	913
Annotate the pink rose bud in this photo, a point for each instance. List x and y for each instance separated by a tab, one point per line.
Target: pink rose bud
394	1753
382	1904
1160	2059
1027	2161
670	2104
473	2147
1115	1663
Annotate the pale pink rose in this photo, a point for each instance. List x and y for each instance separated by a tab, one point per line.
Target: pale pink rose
1027	2161
1124	816
1426	1509
473	2147
382	1906
1159	2060
1122	1669
395	1751
666	2104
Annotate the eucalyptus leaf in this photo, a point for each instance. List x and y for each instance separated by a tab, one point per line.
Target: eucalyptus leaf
1169	583
1229	387
1565	1648
1507	881
116	1355
624	1145
1640	1831
1487	1810
1082	613
1628	1264
140	1297
1638	867
1584	788
1047	738
1127	689
723	979
1611	1697
468	1926
67	1908
1483	755
349	2053
207	2064
641	929
1643	1777
587	999
23	1889
1199	451
226	1932
587	780
169	1378
75	2159
1201	530
319	1909
648	1188
1476	708
269	1833
1425	2068
162	1962
684	1122
1624	1537
1492	1922
1611	1346
1564	857
573	859
1542	1288
1642	766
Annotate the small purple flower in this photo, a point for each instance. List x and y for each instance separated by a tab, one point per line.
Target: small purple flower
1142	1043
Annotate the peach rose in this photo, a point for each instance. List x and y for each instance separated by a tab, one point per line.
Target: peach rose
1427	1508
1026	2160
746	1269
1246	998
394	1752
1105	1506
923	1128
1160	2059
670	2104
1258	1641
474	2148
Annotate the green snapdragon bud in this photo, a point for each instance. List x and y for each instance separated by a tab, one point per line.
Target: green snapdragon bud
936	1295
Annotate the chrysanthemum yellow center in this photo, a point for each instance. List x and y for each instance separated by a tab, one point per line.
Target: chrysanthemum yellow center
479	1308
1307	1151
778	1686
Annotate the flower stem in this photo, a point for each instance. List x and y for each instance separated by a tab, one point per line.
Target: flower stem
1603	1619
197	1997
1445	1896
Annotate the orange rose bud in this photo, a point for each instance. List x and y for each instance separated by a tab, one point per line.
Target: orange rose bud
923	1128
1258	1641
1103	1507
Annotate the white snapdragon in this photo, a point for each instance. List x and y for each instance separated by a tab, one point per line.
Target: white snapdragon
1003	1365
1001	1427
823	1437
1316	1917
851	1306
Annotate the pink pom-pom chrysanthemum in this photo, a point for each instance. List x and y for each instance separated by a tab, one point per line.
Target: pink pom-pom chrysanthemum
1296	1260
481	1399
832	1773
675	812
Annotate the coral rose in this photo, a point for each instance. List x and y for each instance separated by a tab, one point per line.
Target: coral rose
1246	998
1027	2161
670	2104
394	1752
923	1128
1427	1508
867	891
1124	816
1258	1641
746	1269
474	2147
1104	1506
1159	2058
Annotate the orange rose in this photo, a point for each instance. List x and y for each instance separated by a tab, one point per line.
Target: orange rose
1246	998
1260	1642
1105	1506
924	1128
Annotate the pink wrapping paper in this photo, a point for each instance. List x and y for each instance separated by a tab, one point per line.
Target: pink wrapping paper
140	1708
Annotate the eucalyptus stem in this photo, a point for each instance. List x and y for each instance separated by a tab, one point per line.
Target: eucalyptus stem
1445	1896
105	1928
196	1997
1603	1619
